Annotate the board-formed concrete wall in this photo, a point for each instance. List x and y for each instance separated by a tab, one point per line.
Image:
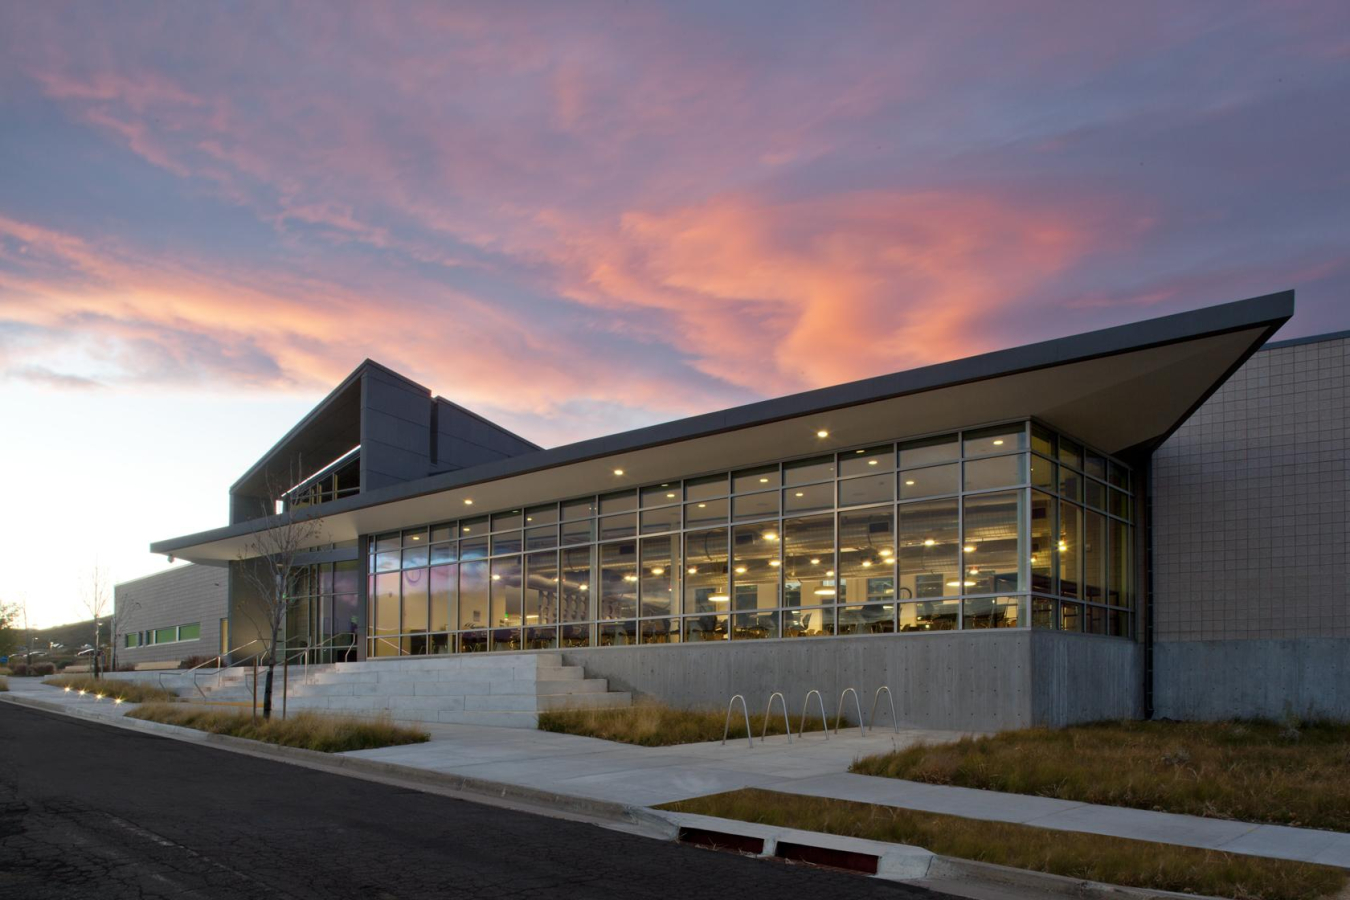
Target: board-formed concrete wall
179	596
1251	537
968	680
1306	678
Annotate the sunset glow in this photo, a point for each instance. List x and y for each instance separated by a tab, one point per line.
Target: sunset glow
580	218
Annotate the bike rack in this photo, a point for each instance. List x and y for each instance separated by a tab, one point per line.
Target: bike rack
873	717
749	735
857	703
769	712
824	719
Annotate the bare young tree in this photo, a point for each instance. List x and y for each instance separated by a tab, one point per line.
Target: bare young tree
267	565
97	598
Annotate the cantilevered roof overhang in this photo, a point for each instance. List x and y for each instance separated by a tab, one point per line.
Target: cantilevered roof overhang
1123	390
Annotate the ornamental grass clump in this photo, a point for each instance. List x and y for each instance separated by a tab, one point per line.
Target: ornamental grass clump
651	724
126	691
1285	773
306	730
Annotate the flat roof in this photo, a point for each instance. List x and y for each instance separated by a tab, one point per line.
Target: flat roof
1123	389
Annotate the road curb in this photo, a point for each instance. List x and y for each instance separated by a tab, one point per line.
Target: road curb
893	862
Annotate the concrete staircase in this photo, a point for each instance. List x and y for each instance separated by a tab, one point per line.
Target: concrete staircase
488	689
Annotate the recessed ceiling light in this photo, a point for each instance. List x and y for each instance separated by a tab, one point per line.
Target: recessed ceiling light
830	573
618	471
815	561
928	542
693	570
416	537
775	563
998	443
822	433
702	505
496	578
800	494
770	535
468	502
657	570
910	483
466	529
764	481
718	598
670	496
867	563
859	451
740	570
871	462
968	548
887	552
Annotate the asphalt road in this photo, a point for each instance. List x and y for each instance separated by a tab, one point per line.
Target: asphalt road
91	810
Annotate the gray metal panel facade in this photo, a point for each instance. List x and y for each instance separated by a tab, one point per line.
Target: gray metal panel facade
1250	532
178	596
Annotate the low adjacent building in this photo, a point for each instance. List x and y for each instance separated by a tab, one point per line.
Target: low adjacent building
1148	519
171	616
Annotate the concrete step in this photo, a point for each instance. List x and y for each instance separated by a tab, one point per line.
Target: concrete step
611	700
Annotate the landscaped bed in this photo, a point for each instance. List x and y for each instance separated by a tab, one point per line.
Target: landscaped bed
1083	856
1282	773
307	730
4	683
650	724
128	691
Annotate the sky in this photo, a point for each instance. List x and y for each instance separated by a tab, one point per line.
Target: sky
579	218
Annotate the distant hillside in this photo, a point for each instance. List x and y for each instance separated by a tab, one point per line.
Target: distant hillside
71	636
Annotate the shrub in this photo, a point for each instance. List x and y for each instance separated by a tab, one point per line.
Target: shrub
4	670
19	669
192	662
43	668
129	691
307	730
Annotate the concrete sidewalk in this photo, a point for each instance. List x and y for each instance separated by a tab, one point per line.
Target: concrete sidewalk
644	776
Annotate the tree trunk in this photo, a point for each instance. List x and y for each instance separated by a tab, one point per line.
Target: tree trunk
267	689
95	660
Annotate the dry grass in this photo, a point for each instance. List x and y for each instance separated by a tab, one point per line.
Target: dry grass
5	672
1288	774
651	724
128	691
1140	864
4	683
310	731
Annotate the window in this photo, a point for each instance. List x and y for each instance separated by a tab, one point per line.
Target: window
132	640
191	632
989	542
660	576
166	635
867	555
929	549
618	580
808	561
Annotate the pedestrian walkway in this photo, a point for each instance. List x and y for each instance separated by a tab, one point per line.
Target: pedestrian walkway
811	765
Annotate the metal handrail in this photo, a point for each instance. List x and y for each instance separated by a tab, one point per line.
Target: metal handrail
873	717
824	719
857	703
749	735
398	647
217	659
769	712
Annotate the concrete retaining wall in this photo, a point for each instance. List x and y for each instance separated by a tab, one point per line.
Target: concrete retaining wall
1085	678
1304	677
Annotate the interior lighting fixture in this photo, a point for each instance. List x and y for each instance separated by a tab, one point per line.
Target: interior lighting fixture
822	433
960	584
867	563
825	592
764	481
886	552
871	462
718	598
740	570
416	537
770	535
496	578
657	570
693	570
815	560
830	573
775	563
618	471
670	496
968	548
468	502
929	542
909	482
998	443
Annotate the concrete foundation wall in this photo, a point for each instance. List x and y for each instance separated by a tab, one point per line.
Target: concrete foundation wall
1304	677
972	680
1085	678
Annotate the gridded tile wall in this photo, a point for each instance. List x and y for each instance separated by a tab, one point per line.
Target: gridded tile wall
1250	501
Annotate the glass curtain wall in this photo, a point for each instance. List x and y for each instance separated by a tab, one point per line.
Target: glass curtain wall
325	609
1002	527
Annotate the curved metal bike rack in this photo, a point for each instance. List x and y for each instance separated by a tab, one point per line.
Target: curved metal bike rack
749	735
769	712
857	703
824	719
873	717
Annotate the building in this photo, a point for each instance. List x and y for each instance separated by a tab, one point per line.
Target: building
178	614
1040	535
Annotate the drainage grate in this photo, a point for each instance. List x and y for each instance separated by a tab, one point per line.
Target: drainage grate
719	840
823	856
